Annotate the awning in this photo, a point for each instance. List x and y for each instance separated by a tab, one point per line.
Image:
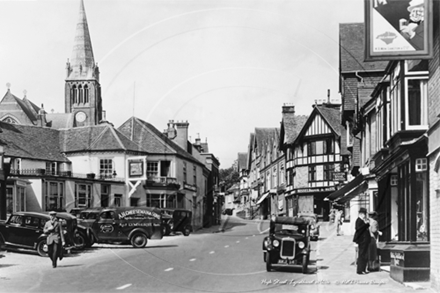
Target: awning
353	192
263	197
347	188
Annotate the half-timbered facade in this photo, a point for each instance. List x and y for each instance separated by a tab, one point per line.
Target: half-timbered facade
316	156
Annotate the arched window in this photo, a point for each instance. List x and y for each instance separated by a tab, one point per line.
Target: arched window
74	95
86	94
81	97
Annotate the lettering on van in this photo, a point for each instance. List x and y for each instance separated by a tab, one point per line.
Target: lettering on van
138	213
106	228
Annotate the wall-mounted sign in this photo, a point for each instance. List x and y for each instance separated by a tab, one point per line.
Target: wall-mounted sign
339	176
190	187
398	29
136	168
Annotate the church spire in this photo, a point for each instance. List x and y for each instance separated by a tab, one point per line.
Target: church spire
82	64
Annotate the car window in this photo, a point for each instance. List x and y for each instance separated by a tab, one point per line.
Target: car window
107	215
92	216
16	220
32	222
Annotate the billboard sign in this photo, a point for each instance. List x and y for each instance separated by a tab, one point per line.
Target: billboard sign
398	29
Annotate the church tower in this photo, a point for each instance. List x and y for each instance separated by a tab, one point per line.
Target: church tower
82	90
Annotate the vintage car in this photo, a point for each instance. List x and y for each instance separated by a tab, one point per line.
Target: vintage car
25	230
314	229
133	225
288	242
177	220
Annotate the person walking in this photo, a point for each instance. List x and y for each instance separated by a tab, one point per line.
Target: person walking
55	239
362	239
373	257
339	221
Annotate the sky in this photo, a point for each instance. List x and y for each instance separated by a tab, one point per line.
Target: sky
226	67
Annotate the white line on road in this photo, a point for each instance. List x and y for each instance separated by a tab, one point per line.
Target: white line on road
247	237
226	246
123	287
262	232
212	252
169	269
238	241
193	259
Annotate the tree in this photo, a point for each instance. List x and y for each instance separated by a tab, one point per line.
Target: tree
229	177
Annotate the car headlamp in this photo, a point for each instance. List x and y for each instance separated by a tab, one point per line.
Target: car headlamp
266	243
312	227
276	243
301	245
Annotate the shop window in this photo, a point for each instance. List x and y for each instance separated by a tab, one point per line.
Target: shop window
83	195
118	200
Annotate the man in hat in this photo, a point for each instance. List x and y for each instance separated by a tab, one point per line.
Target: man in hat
362	238
55	238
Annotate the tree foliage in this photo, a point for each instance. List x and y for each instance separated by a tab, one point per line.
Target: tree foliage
229	177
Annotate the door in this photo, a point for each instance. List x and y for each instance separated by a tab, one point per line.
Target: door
107	226
13	230
32	229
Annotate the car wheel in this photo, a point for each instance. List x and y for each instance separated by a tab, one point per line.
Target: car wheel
305	263
42	248
139	240
186	231
80	240
166	230
268	263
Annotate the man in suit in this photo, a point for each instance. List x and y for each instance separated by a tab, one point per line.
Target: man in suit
55	239
362	238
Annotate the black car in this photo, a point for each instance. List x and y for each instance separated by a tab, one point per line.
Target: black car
288	242
25	230
314	228
177	220
86	218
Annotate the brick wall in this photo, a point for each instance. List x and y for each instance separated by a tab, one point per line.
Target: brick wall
434	142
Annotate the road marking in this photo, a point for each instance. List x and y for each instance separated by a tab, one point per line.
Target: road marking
226	246
212	252
262	232
247	237
193	259
123	287
238	241
253	235
169	269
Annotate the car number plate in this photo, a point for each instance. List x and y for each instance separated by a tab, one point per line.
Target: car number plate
289	227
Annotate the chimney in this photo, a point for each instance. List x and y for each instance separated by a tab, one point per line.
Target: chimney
181	136
288	111
41	117
171	131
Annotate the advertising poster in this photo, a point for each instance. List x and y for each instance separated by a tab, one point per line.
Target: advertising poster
398	29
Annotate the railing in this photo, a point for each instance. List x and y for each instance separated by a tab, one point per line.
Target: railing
43	172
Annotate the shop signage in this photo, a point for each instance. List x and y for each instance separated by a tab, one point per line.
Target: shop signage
190	187
398	30
339	176
317	189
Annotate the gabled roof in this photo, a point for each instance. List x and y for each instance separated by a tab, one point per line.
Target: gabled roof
290	128
263	136
242	161
351	46
27	107
330	115
103	137
31	142
152	140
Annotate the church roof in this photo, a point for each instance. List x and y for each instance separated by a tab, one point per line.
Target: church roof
32	142
28	108
60	120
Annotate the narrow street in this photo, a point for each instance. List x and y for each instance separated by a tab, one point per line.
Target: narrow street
206	261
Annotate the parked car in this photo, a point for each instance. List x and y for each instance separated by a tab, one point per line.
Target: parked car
314	228
288	243
25	230
86	218
133	225
76	211
177	220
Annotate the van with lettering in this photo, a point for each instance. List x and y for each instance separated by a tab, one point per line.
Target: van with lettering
133	225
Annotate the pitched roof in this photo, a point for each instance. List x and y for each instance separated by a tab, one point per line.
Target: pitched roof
102	137
265	135
29	109
60	120
32	142
151	140
351	48
332	116
242	161
291	126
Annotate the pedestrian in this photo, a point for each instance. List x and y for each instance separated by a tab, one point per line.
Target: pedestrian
373	257
339	221
362	239
55	238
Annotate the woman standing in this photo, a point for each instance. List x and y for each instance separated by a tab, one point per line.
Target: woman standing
373	258
55	239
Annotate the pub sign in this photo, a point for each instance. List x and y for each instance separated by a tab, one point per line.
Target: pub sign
398	29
